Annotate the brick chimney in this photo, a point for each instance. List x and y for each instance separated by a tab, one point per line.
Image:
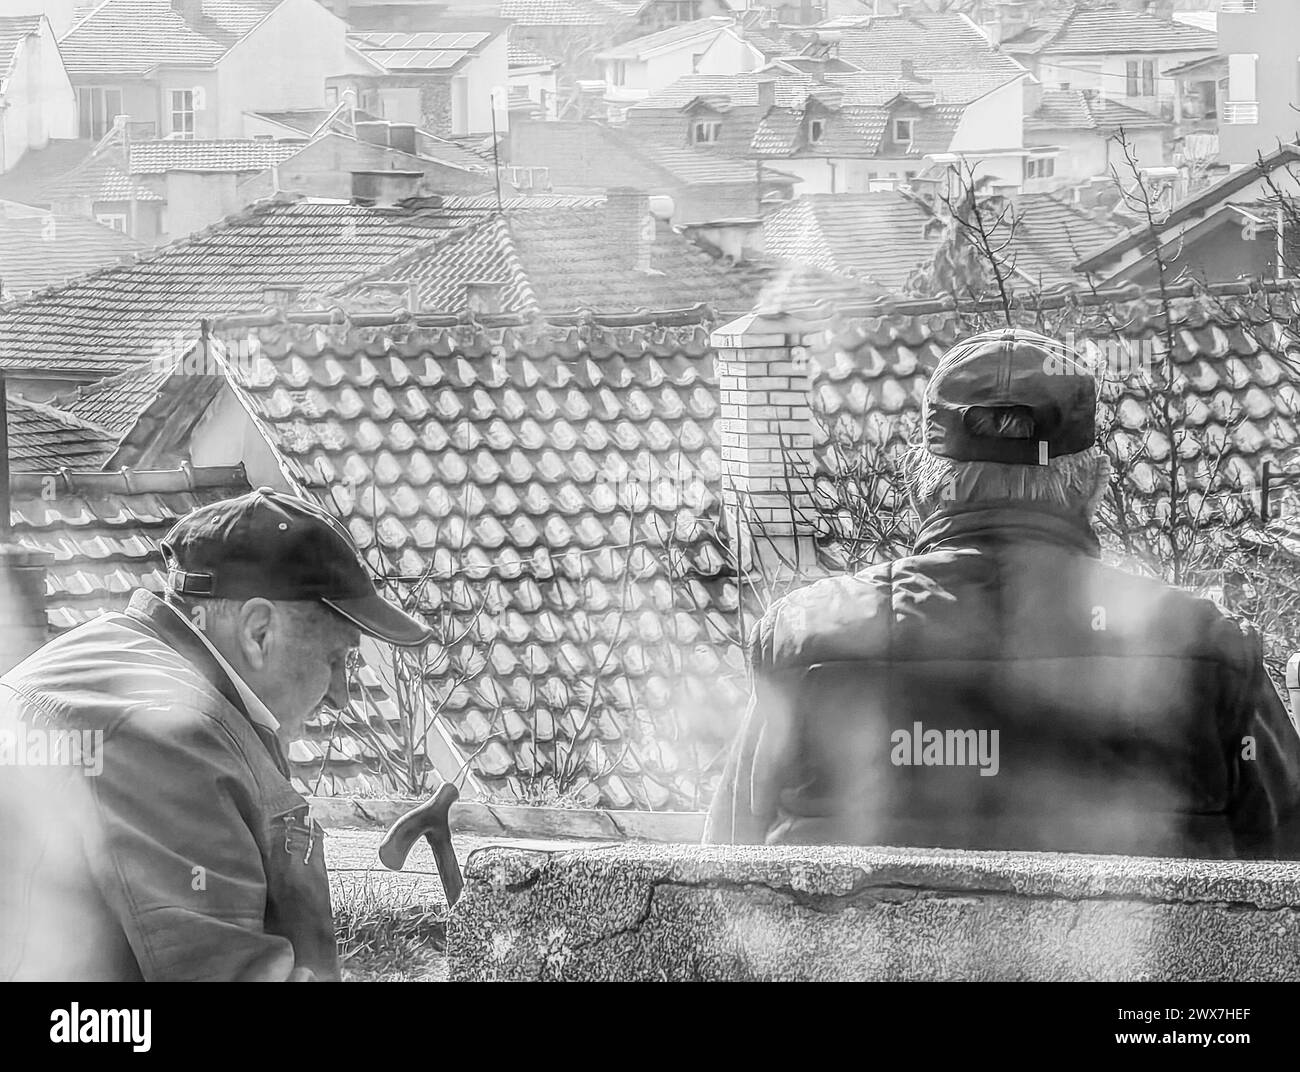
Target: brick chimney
766	429
627	212
766	95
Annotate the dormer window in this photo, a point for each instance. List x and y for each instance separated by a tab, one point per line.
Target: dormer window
903	130
816	129
706	131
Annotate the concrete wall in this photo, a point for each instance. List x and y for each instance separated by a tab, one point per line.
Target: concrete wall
652	912
1086	153
196	199
1273	34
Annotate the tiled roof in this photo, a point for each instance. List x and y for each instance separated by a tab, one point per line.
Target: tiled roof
586	155
123	316
1084	30
171	154
42	438
929	41
772	41
37	252
518	55
132	37
1236	397
569	12
398	53
860	88
1073	109
105	176
666	38
1051	236
116	402
550	261
27	181
13	32
879	237
102	530
496	472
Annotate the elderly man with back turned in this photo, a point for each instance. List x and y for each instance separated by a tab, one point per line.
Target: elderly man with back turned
185	853
1001	688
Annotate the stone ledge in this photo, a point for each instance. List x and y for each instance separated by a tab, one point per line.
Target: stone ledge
645	912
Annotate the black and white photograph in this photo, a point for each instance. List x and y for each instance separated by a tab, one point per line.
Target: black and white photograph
633	491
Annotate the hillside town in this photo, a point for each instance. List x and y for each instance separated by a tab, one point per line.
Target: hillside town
600	327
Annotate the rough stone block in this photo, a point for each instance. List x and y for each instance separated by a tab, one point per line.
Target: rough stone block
634	911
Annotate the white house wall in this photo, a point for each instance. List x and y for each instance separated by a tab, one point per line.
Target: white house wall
40	103
728	54
281	66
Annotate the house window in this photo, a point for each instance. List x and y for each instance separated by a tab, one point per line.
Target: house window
618	73
903	129
115	220
183	112
695	61
1044	168
706	131
1140	78
816	128
96	110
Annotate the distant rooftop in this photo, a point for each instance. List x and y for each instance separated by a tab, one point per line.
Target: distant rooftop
132	37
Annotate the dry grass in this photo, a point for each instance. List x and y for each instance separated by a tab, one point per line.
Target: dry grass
387	933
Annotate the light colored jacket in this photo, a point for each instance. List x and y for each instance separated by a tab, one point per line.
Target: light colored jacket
160	837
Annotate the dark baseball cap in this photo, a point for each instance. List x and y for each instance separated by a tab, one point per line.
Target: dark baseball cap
280	547
1011	396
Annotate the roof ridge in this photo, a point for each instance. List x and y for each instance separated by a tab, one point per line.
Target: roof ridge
129	481
415	253
249	212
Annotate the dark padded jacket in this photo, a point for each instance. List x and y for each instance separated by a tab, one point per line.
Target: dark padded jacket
1130	717
187	855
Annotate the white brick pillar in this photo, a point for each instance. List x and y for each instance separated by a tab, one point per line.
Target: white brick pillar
767	436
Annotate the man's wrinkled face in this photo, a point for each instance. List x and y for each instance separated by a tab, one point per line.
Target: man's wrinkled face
304	652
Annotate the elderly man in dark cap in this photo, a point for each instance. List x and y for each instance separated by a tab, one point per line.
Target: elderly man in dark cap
183	851
1002	688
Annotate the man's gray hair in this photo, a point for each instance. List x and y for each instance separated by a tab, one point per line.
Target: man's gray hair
1068	482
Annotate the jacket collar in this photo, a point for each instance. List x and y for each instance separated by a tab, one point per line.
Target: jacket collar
148	609
1001	523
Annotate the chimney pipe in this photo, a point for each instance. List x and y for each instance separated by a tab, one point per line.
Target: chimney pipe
766	95
907	69
190	10
385	188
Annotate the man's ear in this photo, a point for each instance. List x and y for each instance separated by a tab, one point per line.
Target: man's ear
256	631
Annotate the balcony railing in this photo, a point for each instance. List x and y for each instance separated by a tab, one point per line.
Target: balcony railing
1241	112
1238	7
